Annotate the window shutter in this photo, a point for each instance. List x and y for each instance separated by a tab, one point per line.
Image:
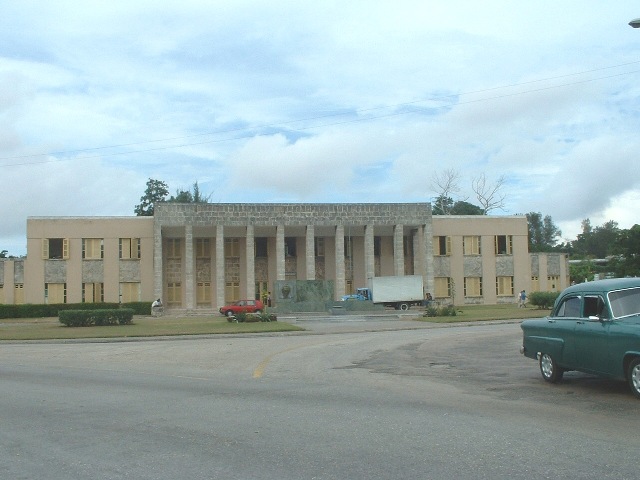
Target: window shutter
45	248
65	248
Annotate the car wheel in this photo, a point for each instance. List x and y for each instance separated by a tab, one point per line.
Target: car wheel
550	370
258	312
633	375
403	306
229	313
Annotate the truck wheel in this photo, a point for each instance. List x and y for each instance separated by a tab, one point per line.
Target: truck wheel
403	306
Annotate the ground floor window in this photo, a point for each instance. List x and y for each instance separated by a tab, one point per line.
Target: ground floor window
442	287
129	292
92	292
18	295
174	293
473	286
553	283
504	286
231	291
535	284
203	293
55	293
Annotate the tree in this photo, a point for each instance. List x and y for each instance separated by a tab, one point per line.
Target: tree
543	232
596	242
627	248
3	254
489	196
445	184
185	196
465	208
156	192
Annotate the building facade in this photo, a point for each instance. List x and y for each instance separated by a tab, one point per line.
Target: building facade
197	257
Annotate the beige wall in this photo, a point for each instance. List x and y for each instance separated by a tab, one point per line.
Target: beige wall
110	229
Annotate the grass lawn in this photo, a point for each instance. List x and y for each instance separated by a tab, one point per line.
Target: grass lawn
51	328
470	313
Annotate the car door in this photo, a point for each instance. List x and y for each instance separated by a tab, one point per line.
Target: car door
563	324
591	336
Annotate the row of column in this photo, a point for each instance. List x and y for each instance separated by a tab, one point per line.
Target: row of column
420	244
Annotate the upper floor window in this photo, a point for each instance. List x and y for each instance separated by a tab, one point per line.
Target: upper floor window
442	246
471	245
203	248
290	246
319	246
504	244
173	248
129	248
262	247
55	248
92	248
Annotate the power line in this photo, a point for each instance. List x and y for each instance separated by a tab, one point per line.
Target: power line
316	117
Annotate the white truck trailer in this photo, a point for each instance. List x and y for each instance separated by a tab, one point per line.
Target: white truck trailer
399	292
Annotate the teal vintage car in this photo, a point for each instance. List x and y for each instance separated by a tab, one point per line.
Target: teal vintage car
594	328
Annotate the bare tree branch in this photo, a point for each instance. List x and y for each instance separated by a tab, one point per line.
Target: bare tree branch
489	196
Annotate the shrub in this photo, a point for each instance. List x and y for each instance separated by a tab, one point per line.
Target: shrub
89	318
33	310
445	311
543	300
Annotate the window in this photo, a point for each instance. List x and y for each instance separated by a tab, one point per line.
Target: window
473	286
570	307
129	248
407	246
290	247
55	248
504	244
261	246
535	284
231	291
319	246
92	248
504	286
348	247
471	245
377	246
231	247
173	248
203	248
203	293
594	306
442	246
92	292
442	287
129	292
18	295
55	293
174	293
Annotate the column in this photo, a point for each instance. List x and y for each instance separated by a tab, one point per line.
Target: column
251	263
188	268
158	284
280	266
428	255
340	273
369	257
220	279
398	250
311	253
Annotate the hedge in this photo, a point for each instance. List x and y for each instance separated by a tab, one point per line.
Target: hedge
543	300
90	318
32	310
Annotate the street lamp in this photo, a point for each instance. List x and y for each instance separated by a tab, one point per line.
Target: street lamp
635	23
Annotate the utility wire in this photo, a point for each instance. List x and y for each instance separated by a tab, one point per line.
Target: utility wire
317	117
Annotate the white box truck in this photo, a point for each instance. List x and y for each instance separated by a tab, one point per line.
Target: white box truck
399	292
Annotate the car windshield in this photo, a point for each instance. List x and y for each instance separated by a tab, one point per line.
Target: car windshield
625	302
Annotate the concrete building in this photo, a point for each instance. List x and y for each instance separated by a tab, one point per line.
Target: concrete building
197	257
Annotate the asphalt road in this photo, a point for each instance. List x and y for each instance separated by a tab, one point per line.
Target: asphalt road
374	403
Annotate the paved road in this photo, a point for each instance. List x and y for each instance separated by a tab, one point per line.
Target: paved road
410	403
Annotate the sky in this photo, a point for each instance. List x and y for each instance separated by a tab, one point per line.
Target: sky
326	101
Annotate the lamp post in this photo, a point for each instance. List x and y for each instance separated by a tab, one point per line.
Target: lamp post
635	23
